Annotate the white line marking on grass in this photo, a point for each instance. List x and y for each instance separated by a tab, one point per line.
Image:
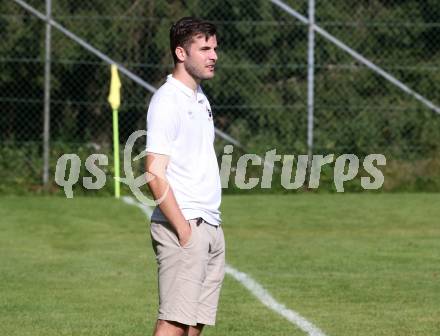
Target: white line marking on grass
265	298
145	208
254	287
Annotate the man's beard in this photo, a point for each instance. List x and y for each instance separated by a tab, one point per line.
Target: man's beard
196	73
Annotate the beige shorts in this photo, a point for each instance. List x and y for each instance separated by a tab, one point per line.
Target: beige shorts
190	277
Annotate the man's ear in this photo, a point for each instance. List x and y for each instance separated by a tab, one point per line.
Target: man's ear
180	53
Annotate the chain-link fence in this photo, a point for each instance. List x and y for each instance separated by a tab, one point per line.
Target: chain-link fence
259	94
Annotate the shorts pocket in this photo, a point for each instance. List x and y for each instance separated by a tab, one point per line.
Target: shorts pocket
191	240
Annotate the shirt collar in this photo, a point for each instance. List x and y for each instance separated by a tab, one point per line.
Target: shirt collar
185	89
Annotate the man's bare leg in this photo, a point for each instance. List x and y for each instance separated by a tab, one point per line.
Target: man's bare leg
195	330
170	328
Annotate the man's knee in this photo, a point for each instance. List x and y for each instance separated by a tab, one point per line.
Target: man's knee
170	328
195	330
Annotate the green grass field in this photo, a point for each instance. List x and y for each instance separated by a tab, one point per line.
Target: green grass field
360	264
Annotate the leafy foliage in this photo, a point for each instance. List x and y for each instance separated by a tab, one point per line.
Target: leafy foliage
259	94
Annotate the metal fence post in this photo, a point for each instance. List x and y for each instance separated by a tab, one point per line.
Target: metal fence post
310	81
46	129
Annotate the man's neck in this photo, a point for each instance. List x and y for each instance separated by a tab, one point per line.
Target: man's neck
185	78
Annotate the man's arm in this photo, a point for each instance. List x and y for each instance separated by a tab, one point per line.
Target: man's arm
155	166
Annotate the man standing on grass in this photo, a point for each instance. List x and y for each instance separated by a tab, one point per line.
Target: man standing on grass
184	180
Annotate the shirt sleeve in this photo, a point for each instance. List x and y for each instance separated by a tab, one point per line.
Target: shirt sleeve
162	126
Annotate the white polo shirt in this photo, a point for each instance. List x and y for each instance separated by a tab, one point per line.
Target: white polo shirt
180	125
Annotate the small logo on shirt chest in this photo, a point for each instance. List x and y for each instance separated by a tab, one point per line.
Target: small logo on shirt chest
205	110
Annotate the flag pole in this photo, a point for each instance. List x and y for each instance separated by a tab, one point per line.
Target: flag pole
116	152
114	99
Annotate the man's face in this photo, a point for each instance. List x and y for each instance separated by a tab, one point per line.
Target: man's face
201	57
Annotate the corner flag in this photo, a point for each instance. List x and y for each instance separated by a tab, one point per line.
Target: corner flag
114	98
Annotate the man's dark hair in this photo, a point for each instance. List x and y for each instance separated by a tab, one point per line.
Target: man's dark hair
183	31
